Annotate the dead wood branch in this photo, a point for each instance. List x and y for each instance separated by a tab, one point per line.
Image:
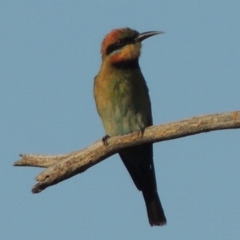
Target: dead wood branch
61	167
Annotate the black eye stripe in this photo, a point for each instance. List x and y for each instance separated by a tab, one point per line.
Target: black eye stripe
118	44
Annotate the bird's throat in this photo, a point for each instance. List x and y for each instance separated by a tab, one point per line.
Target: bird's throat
127	64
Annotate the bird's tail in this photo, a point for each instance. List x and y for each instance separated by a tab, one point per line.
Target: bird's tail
139	163
155	211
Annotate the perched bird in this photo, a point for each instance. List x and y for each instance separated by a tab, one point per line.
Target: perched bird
123	103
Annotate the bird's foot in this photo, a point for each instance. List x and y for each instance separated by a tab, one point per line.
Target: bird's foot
104	140
141	132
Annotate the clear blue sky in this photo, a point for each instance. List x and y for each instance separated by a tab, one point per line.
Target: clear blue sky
49	55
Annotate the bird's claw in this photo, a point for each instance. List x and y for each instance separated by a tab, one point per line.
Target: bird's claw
141	132
104	140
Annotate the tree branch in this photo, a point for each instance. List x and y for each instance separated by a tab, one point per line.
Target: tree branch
61	167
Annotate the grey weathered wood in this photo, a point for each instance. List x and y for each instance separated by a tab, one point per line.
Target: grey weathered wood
61	167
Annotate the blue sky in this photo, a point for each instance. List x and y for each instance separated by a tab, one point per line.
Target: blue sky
50	53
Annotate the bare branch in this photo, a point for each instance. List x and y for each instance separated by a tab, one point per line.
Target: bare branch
61	167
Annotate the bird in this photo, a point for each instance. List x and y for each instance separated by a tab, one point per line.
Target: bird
123	104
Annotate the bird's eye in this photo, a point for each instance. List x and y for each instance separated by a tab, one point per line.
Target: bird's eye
120	42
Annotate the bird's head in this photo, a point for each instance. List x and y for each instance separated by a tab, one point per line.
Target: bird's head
123	44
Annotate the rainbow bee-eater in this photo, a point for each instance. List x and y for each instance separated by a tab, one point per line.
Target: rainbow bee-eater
123	103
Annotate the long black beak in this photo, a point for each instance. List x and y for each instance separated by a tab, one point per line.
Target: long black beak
145	35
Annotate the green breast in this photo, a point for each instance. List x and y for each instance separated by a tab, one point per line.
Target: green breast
122	101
